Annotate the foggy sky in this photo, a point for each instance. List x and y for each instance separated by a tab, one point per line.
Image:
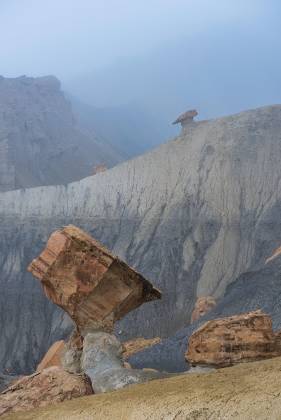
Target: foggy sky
166	55
70	37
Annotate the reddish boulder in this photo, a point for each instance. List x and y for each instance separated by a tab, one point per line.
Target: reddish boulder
53	356
134	346
240	338
43	388
92	285
202	306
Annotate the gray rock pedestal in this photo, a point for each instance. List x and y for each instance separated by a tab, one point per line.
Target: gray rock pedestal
102	363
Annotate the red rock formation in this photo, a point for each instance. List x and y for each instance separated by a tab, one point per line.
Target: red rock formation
134	346
53	356
41	389
240	338
87	281
202	306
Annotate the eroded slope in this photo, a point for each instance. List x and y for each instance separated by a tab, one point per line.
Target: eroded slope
192	215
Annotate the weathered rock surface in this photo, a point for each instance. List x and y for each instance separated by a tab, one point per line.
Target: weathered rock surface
202	306
192	216
43	389
240	338
53	356
92	285
102	362
131	347
40	142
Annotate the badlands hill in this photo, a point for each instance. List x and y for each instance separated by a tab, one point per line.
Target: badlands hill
248	391
192	215
40	141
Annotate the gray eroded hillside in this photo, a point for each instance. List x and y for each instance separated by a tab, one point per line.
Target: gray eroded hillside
40	142
191	215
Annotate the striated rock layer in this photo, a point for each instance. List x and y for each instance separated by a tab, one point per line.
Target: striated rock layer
192	216
92	285
240	338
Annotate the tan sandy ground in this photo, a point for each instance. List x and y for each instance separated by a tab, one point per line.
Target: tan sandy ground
246	391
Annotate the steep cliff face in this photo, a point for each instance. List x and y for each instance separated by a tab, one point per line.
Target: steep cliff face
191	215
40	142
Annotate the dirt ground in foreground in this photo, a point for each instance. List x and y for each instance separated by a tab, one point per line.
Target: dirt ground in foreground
246	391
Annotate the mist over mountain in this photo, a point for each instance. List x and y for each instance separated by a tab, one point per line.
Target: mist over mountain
146	63
218	72
128	128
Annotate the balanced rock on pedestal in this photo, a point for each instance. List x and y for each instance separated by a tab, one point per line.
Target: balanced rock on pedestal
95	288
84	278
239	338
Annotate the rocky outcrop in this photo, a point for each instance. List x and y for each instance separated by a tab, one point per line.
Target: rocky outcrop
227	341
40	142
192	216
43	389
131	347
92	285
203	305
53	356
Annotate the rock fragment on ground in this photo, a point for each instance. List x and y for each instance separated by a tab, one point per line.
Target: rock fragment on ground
227	341
52	385
134	346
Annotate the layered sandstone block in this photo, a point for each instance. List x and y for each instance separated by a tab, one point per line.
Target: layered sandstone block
92	285
42	389
202	306
131	347
240	338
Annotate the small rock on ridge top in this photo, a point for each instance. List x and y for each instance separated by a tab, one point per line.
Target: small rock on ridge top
186	117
